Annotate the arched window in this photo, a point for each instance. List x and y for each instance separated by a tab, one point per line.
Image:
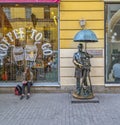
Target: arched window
112	43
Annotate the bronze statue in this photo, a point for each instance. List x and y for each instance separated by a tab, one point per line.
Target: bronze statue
81	59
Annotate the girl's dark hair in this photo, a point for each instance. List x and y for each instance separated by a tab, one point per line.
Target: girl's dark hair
27	75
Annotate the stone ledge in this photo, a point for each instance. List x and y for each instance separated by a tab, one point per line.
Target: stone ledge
68	89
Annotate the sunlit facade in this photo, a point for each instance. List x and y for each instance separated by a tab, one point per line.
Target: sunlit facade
40	35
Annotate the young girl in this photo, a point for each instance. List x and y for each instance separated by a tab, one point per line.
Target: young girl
27	82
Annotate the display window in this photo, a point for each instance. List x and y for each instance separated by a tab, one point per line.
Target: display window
112	23
29	38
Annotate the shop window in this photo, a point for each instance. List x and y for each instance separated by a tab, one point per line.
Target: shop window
112	43
29	38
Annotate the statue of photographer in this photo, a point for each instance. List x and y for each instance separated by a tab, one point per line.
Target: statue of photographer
81	60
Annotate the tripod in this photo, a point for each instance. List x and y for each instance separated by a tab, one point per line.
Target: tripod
85	88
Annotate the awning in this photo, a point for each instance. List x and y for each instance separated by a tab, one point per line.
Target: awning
29	1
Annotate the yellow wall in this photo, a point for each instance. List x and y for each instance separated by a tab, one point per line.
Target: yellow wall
71	11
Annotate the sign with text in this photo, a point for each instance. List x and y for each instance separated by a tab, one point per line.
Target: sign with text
20	34
96	53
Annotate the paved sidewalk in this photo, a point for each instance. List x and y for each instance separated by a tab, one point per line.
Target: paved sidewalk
57	109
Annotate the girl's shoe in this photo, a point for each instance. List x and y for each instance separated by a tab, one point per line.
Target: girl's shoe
28	96
21	97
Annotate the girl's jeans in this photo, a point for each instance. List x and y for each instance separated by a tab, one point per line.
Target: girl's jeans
28	85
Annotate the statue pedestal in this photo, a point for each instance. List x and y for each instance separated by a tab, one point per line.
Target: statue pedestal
80	99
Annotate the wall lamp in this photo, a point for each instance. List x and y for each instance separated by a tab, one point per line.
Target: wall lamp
82	23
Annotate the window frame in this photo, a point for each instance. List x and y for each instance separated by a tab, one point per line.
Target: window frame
9	5
107	83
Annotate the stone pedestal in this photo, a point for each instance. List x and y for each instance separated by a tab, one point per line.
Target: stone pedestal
80	99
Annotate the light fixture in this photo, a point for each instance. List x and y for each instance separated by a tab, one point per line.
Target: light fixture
85	35
82	23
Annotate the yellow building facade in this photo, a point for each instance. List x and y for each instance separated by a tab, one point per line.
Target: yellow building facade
64	23
102	17
71	12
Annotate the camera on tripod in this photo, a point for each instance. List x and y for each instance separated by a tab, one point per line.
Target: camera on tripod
86	60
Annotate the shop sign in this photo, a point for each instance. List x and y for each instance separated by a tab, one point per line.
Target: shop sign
96	53
19	34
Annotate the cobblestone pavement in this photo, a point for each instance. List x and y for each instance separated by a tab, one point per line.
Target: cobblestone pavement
57	109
